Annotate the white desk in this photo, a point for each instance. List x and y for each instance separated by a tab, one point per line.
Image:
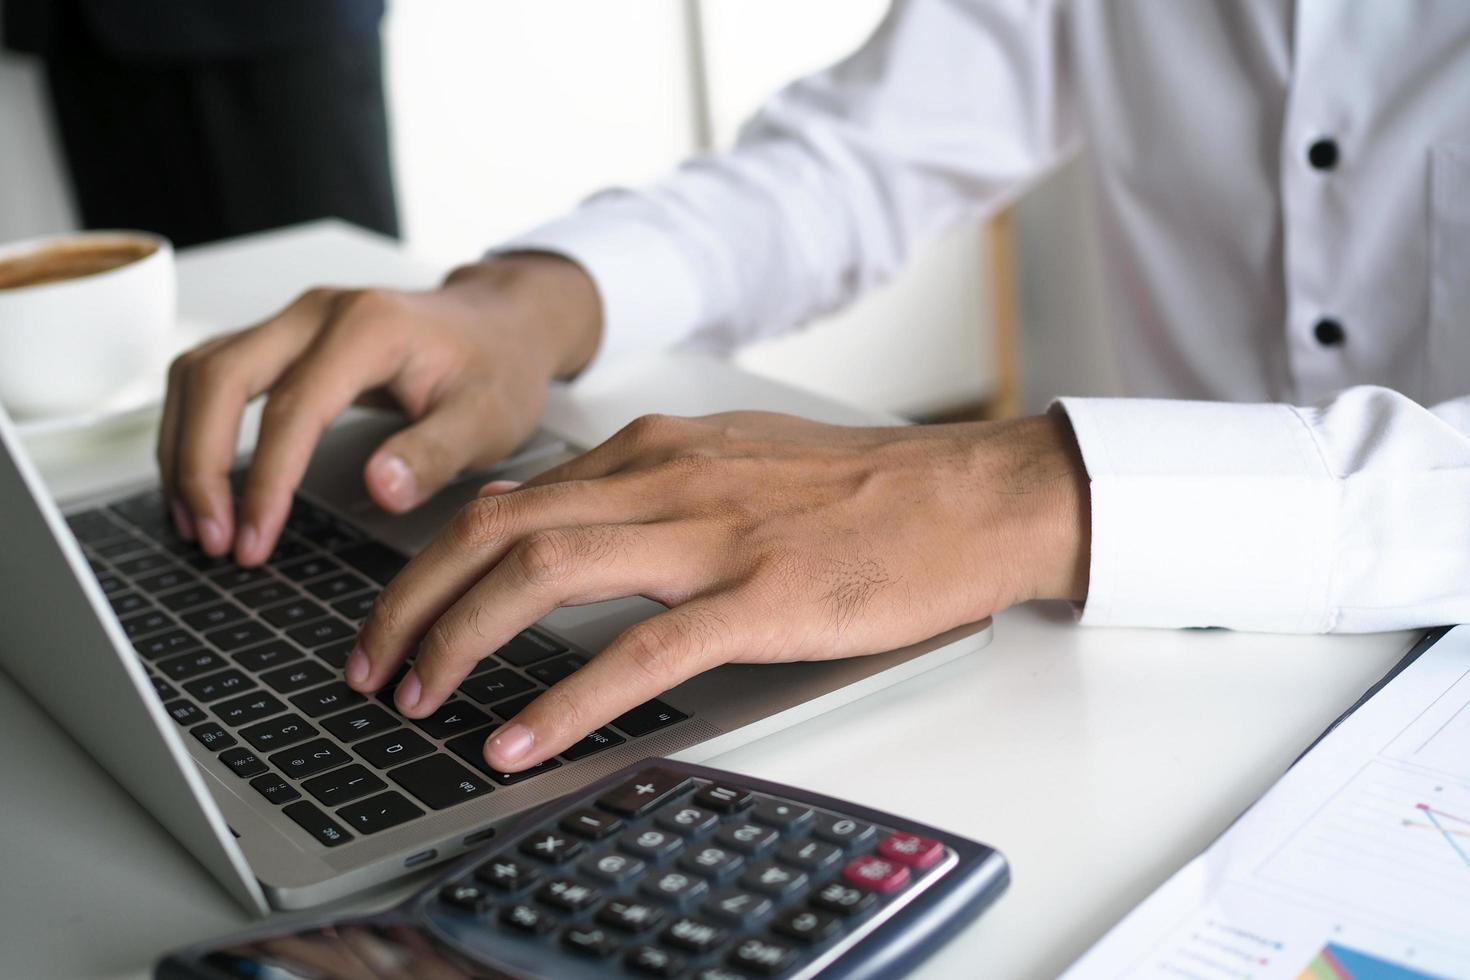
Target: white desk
1098	760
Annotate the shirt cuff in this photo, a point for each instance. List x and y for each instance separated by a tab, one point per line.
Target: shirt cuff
1206	514
649	296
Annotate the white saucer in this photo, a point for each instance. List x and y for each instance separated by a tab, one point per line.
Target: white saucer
134	403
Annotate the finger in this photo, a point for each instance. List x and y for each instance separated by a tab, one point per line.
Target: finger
647	439
168	433
564	566
462	430
339	364
646	660
469	546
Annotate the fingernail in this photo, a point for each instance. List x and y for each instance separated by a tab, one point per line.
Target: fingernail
397	481
409	691
497	487
510	744
248	542
358	667
212	536
183	523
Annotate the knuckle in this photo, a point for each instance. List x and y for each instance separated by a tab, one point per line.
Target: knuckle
482	522
365	304
650	650
545	557
437	646
386	616
648	430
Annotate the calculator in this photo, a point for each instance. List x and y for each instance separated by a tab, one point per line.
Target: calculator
663	869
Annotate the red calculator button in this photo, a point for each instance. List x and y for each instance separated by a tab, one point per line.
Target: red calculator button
876	873
916	852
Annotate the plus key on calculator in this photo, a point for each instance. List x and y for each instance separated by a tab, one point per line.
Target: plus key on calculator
664	869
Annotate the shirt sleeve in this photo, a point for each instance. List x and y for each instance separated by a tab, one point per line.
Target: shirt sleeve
949	109
1349	516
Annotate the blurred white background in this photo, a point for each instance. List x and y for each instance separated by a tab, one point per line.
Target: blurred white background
505	114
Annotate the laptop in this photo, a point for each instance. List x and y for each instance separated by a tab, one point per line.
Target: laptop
213	694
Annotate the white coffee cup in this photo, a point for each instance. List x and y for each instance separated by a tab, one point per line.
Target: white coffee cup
69	345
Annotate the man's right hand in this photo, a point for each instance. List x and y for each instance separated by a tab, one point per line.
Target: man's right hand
468	363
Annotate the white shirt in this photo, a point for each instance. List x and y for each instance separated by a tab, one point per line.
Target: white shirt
1225	248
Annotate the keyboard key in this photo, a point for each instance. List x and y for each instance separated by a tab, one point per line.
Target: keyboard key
143	564
293	613
389	750
439	782
549	672
910	849
651	961
143	509
190	598
111	583
551	846
215	616
738	906
763	956
343	785
309	759
879	874
496	686
360	723
113	550
675	887
275	788
317	824
266	594
326	699
813	855
806	925
379	813
843	899
278	732
234	577
630	914
248	708
296	676
645	792
184	711
355	609
453	718
592	742
289	548
165	581
529	647
216	686
695	935
781	815
165	644
589	941
212	736
319	634
162	688
377	561
843	831
747	838
568	894
686	821
237	636
713	862
465	896
527	918
775	880
309	568
338	586
243	762
129	603
591	824
648	717
654	845
267	655
92	526
335	654
507	874
471	748
190	665
614	868
145	623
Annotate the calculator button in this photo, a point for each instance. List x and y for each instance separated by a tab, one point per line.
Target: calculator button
648	717
550	846
687	820
343	785
725	799
317	824
675	886
393	748
843	831
310	759
591	824
379	812
813	855
507	874
781	815
439	782
212	736
589	941
738	906
695	935
712	862
616	868
649	789
843	899
652	844
275	789
630	915
650	961
591	743
568	894
465	896
773	879
917	852
527	918
881	875
747	838
242	762
806	925
764	956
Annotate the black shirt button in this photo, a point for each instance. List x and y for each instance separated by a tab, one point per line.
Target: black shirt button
1329	332
1323	154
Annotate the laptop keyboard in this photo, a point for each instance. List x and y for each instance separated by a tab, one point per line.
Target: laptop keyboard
249	662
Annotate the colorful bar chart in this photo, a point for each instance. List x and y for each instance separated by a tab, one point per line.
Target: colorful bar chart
1340	963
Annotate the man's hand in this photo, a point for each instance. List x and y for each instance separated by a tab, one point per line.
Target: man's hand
468	362
769	538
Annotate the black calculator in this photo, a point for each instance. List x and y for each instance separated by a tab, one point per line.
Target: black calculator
664	869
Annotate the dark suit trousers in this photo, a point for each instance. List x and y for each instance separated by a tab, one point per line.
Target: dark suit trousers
198	151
